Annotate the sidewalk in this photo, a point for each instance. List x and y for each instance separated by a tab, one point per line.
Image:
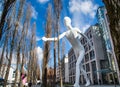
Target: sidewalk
95	86
103	86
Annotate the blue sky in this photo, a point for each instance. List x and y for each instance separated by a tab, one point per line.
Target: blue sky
82	13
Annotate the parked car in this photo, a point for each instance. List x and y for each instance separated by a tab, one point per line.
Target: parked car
2	81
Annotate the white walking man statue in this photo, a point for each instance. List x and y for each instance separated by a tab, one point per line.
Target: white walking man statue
73	34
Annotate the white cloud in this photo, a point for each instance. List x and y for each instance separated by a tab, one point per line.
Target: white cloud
74	6
85	7
39	53
43	1
83	12
34	13
38	38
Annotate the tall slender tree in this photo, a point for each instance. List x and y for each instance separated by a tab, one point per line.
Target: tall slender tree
57	11
46	47
32	55
19	46
7	35
23	40
54	52
8	4
16	26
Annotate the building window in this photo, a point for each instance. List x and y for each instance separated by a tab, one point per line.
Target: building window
81	41
86	48
13	76
87	67
86	57
90	35
92	54
93	66
74	57
84	41
84	67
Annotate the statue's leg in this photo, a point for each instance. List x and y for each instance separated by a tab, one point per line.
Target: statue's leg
81	55
85	75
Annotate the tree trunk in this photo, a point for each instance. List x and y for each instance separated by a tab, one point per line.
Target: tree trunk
57	7
47	47
2	55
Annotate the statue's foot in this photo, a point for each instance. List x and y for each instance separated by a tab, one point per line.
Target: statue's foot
76	85
88	83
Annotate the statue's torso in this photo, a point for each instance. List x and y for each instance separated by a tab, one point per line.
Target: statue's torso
71	35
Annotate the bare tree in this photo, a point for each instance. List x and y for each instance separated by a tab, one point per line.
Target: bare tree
7	6
3	52
7	35
46	47
57	10
38	71
32	54
19	46
54	52
34	67
23	41
16	26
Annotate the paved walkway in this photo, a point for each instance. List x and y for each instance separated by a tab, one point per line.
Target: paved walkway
80	86
103	86
95	86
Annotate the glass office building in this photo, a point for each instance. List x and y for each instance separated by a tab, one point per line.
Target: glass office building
103	22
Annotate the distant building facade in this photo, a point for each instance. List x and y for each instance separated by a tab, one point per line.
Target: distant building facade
65	70
72	64
11	76
58	74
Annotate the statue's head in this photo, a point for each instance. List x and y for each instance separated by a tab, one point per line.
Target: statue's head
67	21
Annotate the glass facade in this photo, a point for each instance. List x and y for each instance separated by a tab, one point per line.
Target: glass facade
101	15
104	64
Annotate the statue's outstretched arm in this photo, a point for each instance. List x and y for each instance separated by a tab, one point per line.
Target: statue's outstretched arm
54	38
